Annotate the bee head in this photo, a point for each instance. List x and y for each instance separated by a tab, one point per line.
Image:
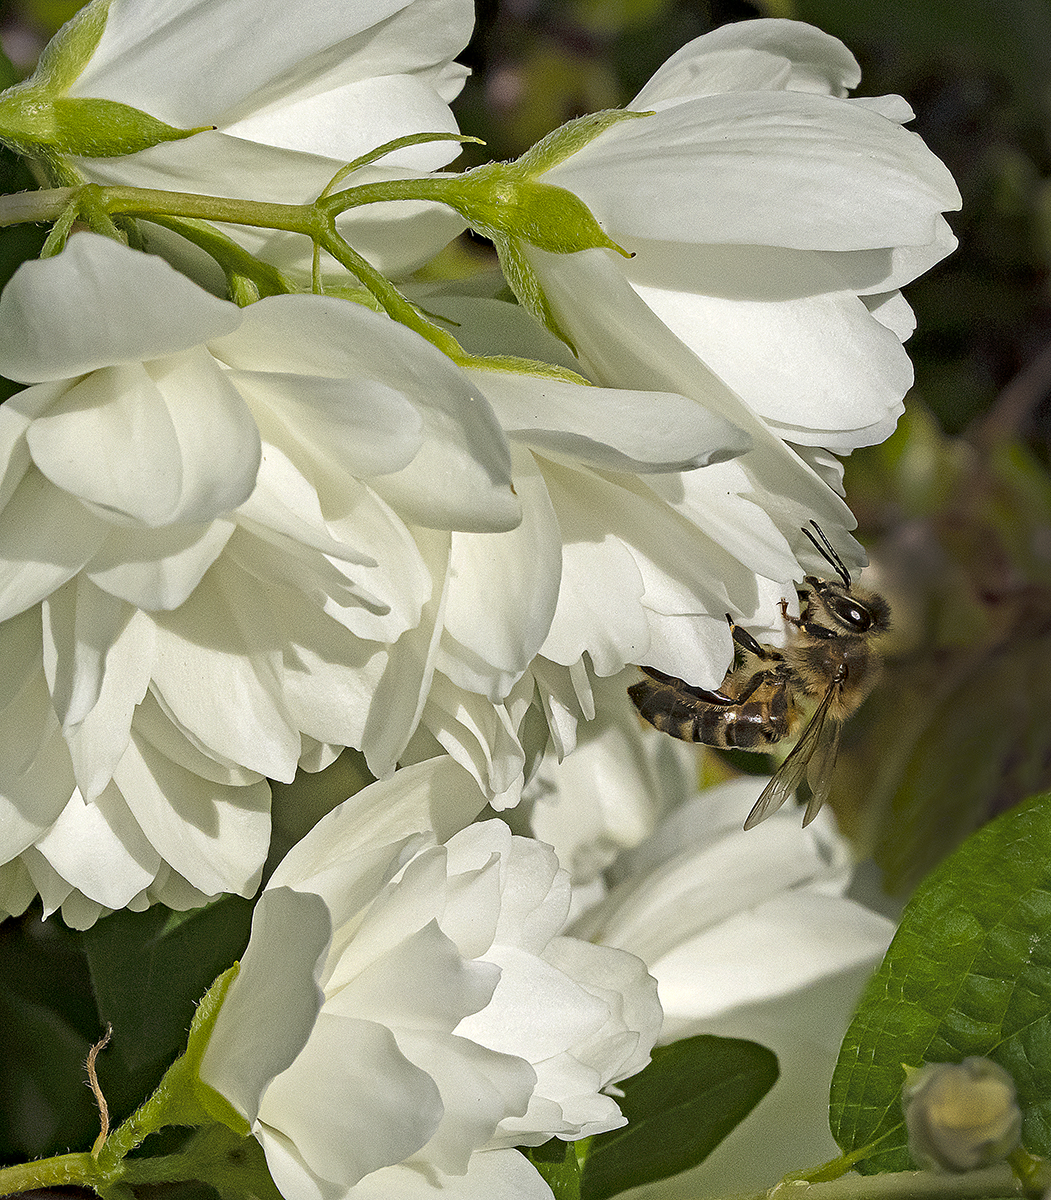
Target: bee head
852	611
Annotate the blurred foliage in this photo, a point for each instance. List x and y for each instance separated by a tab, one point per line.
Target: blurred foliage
960	728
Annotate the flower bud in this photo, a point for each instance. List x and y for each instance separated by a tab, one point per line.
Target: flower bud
961	1116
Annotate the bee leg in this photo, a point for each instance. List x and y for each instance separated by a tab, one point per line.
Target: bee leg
709	696
787	616
777	675
747	642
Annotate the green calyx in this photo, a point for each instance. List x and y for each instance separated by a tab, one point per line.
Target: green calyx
501	200
568	139
38	118
33	123
511	204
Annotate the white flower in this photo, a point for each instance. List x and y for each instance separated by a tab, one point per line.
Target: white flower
628	489
749	935
772	223
757	327
609	793
770	229
296	92
224	532
448	1022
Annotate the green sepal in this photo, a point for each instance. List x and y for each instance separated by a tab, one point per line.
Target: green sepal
214	1103
514	365
32	122
523	282
67	54
510	205
565	141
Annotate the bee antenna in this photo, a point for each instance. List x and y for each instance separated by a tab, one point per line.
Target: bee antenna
828	552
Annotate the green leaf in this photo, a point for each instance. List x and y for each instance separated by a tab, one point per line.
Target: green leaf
559	1164
150	969
679	1109
968	972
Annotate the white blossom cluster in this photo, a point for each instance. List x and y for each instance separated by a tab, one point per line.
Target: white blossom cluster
236	539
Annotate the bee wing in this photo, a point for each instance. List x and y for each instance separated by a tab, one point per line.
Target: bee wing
790	773
822	764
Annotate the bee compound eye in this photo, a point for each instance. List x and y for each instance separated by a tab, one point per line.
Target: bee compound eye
851	613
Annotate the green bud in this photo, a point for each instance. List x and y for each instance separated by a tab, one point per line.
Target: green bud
501	201
37	118
510	204
31	122
961	1116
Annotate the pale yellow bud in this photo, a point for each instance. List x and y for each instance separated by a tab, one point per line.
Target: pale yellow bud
961	1115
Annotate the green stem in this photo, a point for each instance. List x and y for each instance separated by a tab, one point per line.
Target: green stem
233	258
441	190
60	1171
990	1183
48	205
173	1103
394	303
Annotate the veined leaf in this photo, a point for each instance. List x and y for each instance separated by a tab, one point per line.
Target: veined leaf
968	972
679	1109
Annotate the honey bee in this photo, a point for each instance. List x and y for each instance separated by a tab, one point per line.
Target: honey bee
830	654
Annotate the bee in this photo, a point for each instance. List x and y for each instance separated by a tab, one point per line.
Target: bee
829	656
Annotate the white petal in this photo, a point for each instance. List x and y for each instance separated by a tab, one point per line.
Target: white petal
402	691
436	794
354	118
768	168
809	364
478	1089
155	726
157	568
216	837
169	442
775	949
753	56
395	1106
629	990
97	655
504	587
17	890
99	303
239	716
490	1173
36	776
274	1000
319	46
100	849
138	49
481	736
46	536
363	424
460	478
386	990
629	346
612	428
519	1020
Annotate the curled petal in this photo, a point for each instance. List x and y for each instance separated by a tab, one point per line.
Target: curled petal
98	304
266	1018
